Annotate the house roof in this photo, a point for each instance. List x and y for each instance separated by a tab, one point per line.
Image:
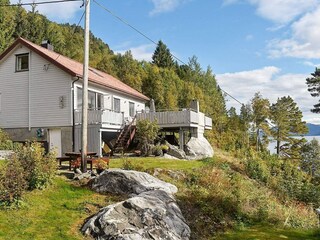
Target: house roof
75	68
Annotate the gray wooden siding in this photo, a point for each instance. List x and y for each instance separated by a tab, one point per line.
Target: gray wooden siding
46	86
14	91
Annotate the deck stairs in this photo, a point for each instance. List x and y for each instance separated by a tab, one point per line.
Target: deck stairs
125	137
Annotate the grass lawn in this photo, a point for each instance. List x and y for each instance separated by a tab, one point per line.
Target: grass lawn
269	233
157	162
53	213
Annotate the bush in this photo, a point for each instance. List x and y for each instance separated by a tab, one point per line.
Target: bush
147	132
12	182
157	150
39	167
5	142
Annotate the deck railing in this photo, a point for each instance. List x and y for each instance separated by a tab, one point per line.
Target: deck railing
171	118
100	116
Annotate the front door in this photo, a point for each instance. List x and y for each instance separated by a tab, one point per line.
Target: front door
55	141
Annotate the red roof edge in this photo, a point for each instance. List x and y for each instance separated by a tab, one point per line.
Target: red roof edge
61	66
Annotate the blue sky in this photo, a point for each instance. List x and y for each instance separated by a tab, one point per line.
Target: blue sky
269	46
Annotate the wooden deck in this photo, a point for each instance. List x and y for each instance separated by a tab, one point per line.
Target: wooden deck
172	119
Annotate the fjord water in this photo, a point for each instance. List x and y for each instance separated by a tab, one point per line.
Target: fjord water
273	144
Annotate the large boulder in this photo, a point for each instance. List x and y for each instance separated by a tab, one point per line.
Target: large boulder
129	182
200	147
176	152
151	215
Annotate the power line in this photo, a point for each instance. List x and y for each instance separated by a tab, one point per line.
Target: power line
37	3
134	28
145	36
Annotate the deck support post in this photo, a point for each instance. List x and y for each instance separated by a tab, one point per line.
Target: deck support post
181	138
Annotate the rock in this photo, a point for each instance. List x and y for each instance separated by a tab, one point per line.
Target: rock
176	152
5	154
167	156
151	215
129	182
87	175
201	147
189	152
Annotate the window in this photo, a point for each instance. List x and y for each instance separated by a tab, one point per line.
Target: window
95	100
116	104
91	100
131	109
79	98
22	62
100	99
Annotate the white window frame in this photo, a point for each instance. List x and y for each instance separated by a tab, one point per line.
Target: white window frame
114	104
132	110
19	64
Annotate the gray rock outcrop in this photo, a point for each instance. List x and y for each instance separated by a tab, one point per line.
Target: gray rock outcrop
199	147
150	215
176	152
129	182
151	212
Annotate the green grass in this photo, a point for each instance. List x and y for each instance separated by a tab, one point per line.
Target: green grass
157	162
54	213
270	233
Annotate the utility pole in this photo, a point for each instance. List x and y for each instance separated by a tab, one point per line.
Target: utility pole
85	89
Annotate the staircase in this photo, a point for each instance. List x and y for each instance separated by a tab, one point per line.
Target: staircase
125	137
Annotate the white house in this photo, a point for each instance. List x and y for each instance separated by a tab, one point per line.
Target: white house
40	98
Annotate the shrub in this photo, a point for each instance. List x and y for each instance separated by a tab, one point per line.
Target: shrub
5	142
157	150
147	132
12	182
39	167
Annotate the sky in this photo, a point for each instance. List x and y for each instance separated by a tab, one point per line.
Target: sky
266	46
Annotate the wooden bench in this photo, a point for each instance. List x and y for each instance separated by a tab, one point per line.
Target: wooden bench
64	159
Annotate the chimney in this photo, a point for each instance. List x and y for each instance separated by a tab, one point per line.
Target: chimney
47	44
194	105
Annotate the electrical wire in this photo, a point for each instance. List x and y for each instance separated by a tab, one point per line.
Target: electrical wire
132	27
37	3
148	38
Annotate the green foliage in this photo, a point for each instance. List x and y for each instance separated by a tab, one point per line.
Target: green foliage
12	182
310	162
314	88
40	168
285	178
147	131
162	56
287	120
5	142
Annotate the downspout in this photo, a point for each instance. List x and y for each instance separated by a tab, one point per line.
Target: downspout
29	95
73	122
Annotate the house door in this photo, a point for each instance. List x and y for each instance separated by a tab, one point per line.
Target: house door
55	141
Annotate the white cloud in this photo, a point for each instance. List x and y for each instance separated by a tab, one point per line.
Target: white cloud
304	40
279	11
143	52
282	11
272	85
161	6
311	64
55	11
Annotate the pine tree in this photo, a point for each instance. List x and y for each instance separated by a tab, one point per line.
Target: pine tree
162	56
287	119
260	115
314	88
